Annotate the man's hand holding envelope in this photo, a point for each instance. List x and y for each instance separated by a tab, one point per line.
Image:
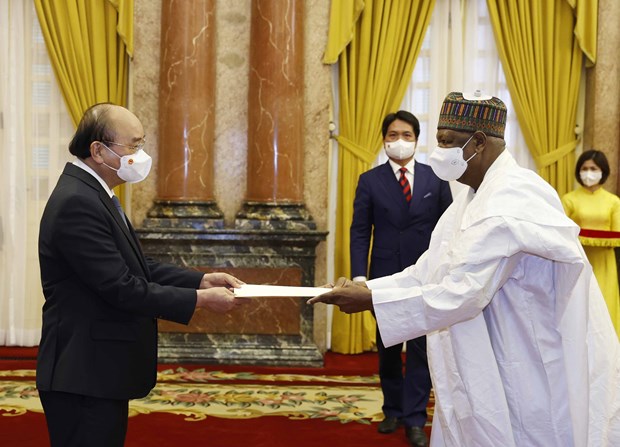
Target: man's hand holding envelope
351	297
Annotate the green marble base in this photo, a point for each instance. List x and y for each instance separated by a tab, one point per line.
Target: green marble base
184	214
237	349
259	256
274	216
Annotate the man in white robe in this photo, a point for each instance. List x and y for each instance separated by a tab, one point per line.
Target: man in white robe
521	347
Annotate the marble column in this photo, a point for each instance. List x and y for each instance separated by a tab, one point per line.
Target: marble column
186	118
274	196
185	227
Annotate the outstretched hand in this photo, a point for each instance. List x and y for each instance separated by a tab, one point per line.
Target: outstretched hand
351	297
219	279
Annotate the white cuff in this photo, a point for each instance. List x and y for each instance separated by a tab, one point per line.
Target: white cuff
386	282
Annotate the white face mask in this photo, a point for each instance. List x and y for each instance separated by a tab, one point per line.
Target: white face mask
134	168
591	178
448	163
400	149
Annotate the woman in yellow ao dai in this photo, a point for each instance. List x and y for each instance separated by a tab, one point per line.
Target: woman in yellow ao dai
594	208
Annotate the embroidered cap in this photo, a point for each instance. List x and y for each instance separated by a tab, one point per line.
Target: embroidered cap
469	113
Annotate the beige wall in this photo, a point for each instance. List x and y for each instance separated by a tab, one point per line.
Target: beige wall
602	109
231	122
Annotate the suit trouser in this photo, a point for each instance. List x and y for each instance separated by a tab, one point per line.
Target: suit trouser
405	396
74	420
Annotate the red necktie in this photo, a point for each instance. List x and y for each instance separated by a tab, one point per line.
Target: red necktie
404	183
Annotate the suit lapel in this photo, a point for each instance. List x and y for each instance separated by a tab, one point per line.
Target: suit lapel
138	249
107	202
388	179
420	181
91	181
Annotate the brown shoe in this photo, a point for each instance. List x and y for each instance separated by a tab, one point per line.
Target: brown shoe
388	425
416	436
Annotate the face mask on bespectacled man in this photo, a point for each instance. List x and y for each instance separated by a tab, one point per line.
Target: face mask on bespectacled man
448	163
134	168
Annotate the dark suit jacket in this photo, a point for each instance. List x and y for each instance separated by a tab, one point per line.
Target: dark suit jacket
102	296
401	232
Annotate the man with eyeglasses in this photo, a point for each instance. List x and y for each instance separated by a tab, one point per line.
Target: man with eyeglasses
103	297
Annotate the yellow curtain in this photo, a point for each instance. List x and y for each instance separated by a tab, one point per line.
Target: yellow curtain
586	14
376	43
342	20
541	46
89	44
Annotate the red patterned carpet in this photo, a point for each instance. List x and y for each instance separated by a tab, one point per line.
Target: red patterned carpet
216	405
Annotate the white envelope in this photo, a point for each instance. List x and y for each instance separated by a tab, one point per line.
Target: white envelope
256	290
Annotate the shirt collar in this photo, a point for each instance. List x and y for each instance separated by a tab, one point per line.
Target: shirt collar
396	167
80	164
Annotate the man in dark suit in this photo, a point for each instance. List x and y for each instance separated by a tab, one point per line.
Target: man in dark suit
102	296
397	206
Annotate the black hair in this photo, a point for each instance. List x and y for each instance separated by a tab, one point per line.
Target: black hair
402	115
94	126
598	158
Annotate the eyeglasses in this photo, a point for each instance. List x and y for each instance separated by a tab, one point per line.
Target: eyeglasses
134	149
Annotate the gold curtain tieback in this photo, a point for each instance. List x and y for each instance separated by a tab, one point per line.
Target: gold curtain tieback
358	151
552	157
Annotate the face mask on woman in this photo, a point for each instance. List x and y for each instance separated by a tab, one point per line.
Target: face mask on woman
591	178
